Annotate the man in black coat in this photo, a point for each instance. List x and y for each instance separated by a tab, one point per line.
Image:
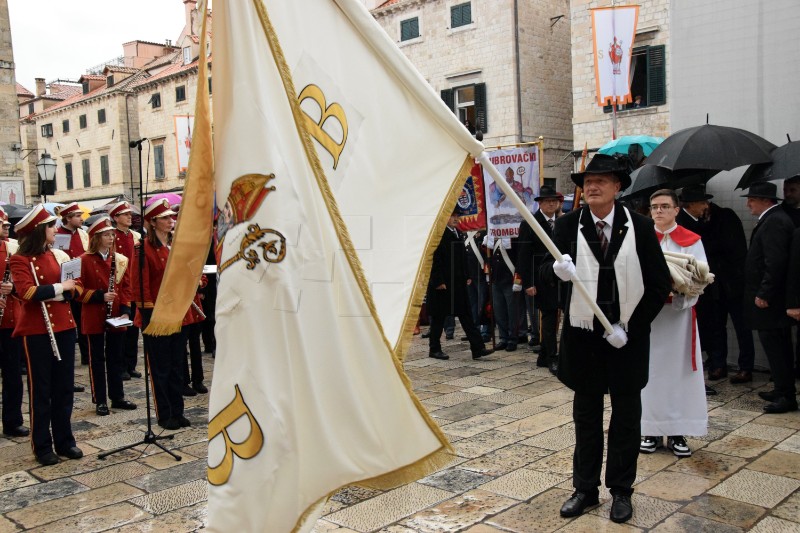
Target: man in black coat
619	250
765	274
447	292
793	279
530	258
791	204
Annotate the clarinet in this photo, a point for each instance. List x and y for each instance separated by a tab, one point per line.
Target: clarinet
111	283
47	323
6	279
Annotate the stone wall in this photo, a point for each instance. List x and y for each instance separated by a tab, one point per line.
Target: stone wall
10	162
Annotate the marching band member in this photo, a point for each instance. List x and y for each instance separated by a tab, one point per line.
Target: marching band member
72	224
127	242
10	347
192	329
165	354
47	329
98	265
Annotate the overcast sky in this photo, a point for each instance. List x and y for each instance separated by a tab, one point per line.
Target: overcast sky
63	38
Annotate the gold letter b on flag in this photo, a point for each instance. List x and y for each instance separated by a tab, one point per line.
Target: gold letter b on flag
248	449
326	111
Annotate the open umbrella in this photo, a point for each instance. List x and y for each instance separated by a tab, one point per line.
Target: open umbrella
171	197
785	164
647	179
711	147
16	210
621	145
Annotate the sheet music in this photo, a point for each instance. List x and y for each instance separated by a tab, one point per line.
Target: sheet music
71	269
62	241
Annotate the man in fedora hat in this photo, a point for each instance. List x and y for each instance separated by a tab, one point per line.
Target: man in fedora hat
765	273
625	273
531	256
791	204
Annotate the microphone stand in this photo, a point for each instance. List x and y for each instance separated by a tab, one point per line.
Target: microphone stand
149	437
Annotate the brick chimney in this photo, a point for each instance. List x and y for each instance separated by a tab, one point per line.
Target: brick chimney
41	87
190	6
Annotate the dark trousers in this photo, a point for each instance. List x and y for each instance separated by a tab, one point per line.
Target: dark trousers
131	348
165	357
506	309
623	442
777	345
106	366
192	333
465	317
10	352
83	342
50	391
548	335
209	309
712	321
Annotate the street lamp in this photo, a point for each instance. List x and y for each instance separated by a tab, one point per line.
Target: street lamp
47	175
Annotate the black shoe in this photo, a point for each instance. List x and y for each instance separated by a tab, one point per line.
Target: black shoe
188	391
522	339
48	459
72	452
511	347
123	404
126	376
19	431
102	410
541	362
533	342
199	387
170	423
769	396
621	508
134	374
184	422
448	337
464	338
710	391
439	355
780	405
578	503
554	368
500	346
536	348
481	353
78	388
426	335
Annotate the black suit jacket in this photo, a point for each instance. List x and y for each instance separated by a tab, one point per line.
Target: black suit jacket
726	250
449	267
587	362
530	258
765	271
793	273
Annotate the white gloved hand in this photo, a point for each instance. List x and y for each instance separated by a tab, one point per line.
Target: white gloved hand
618	338
564	269
516	287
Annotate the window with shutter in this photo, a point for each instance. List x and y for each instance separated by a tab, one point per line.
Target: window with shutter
656	75
105	175
158	161
409	29
101	116
461	15
180	93
481	119
65	126
449	99
87	177
68	175
82	121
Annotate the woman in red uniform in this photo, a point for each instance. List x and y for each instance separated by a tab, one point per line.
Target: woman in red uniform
192	330
164	355
105	342
47	329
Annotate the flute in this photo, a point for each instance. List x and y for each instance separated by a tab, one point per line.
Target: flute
199	310
6	279
47	323
111	282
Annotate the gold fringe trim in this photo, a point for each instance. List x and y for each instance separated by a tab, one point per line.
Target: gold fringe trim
426	464
163	329
424	270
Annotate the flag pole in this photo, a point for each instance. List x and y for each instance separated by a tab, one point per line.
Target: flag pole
483	159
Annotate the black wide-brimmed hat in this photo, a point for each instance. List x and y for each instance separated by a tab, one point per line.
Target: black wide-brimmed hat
694	193
547	192
764	189
616	164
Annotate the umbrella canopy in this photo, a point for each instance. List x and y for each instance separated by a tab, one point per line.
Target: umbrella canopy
16	210
710	147
647	179
785	164
52	207
171	197
621	145
105	208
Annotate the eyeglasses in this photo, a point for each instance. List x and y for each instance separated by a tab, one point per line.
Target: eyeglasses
662	207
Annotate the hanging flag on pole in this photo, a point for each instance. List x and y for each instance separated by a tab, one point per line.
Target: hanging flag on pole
613	32
472	202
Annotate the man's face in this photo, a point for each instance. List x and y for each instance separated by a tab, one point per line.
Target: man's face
452	222
123	221
73	221
663	210
791	192
510	175
758	205
697	209
600	190
549	206
4	230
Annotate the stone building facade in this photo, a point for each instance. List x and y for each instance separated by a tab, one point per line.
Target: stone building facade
11	175
502	64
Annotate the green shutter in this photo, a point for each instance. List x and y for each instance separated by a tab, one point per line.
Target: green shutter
461	15
409	29
481	119
449	98
656	75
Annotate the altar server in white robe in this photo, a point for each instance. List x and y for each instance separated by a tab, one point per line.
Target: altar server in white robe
674	400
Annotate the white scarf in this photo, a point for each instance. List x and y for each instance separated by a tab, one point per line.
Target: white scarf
628	273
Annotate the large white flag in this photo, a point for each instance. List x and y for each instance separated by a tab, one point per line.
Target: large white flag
334	162
613	31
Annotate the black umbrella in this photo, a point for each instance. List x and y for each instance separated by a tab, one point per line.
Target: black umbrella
16	210
647	179
710	147
785	164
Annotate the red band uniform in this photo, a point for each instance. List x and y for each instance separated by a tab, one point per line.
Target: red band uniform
192	329
79	242
127	243
10	355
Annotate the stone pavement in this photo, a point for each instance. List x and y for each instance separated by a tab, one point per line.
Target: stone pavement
510	423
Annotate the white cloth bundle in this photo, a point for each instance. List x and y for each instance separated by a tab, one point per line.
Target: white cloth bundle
689	275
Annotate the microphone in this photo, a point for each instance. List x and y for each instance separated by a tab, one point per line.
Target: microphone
134	144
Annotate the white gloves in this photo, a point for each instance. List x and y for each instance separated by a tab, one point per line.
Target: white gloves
618	338
564	269
681	302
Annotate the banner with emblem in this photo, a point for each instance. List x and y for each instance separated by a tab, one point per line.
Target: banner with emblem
613	32
521	166
471	204
323	257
